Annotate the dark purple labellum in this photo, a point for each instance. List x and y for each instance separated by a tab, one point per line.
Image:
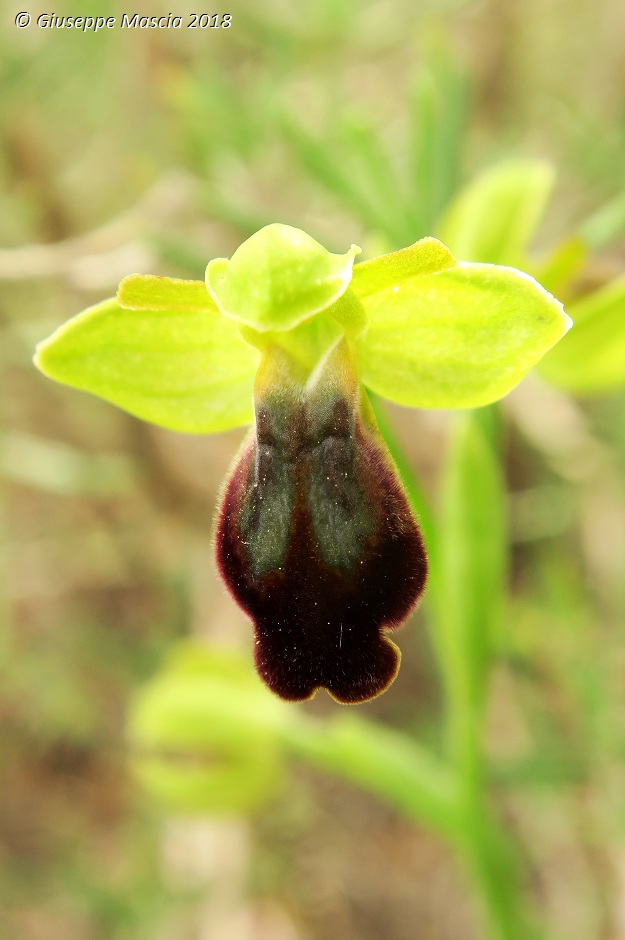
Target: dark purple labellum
315	538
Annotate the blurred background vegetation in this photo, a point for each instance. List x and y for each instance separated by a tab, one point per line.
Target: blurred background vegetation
154	151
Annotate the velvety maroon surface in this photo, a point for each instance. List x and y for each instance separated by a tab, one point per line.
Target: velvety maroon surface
318	624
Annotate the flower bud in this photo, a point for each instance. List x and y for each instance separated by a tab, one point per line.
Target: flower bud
315	538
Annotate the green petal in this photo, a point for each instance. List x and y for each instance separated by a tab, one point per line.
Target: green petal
592	357
426	256
187	370
494	217
278	278
150	292
459	338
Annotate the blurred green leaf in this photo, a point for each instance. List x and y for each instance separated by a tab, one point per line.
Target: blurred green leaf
494	218
399	199
319	159
562	265
591	359
604	225
437	132
371	166
384	762
457	338
187	370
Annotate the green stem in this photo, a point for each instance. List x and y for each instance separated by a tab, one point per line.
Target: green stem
492	865
467	573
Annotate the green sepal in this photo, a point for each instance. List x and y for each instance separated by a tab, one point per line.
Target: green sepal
278	278
459	338
591	359
184	369
493	218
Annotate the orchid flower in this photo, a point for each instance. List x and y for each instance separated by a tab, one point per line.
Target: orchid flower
315	537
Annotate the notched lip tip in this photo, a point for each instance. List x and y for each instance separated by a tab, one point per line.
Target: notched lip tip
353	698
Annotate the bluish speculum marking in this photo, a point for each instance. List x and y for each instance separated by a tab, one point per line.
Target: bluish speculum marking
340	516
315	538
266	514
